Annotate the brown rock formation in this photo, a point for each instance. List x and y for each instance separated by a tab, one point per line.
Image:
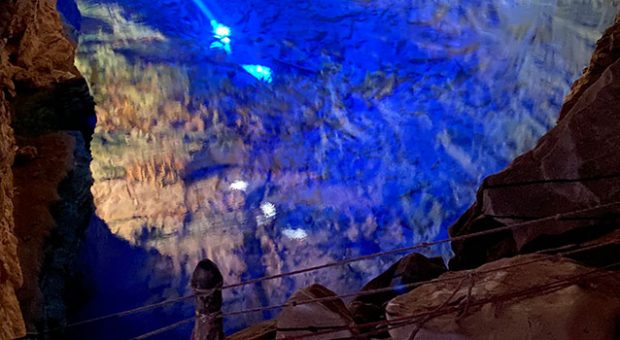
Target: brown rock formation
41	208
39	51
34	54
568	186
262	331
525	297
607	52
312	317
12	324
410	269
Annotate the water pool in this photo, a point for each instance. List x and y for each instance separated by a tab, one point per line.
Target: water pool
270	136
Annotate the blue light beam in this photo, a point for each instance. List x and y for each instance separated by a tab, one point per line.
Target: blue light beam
203	8
220	32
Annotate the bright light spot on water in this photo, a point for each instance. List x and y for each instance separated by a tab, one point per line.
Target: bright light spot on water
296	234
222	46
259	72
239	185
222	31
269	209
222	34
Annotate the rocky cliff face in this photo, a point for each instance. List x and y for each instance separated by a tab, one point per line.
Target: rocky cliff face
12	325
571	174
36	64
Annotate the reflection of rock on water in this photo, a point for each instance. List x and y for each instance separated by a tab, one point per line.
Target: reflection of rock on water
381	120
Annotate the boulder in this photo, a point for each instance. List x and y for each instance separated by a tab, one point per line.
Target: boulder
265	330
525	297
327	319
567	188
409	269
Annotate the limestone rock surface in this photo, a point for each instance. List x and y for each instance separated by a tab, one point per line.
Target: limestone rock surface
34	53
39	51
265	330
323	316
567	187
408	270
52	203
36	182
524	297
12	324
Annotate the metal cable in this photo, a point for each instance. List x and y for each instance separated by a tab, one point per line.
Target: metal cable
164	329
382	290
342	262
528	292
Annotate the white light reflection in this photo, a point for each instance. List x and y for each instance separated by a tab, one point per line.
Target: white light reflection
295	234
269	209
222	34
239	185
259	72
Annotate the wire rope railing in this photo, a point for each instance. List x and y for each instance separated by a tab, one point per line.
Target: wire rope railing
462	277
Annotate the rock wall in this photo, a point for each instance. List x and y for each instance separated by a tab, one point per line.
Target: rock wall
36	58
12	324
525	297
567	187
53	205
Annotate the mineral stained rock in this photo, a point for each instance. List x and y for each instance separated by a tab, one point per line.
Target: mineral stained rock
518	298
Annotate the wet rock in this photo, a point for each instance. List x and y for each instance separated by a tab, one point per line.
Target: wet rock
410	269
524	297
572	168
365	154
71	17
325	316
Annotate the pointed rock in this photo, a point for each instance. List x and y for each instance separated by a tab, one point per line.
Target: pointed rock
327	319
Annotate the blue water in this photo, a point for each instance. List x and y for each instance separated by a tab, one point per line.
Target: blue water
271	136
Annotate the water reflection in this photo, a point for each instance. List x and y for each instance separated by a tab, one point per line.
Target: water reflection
377	126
